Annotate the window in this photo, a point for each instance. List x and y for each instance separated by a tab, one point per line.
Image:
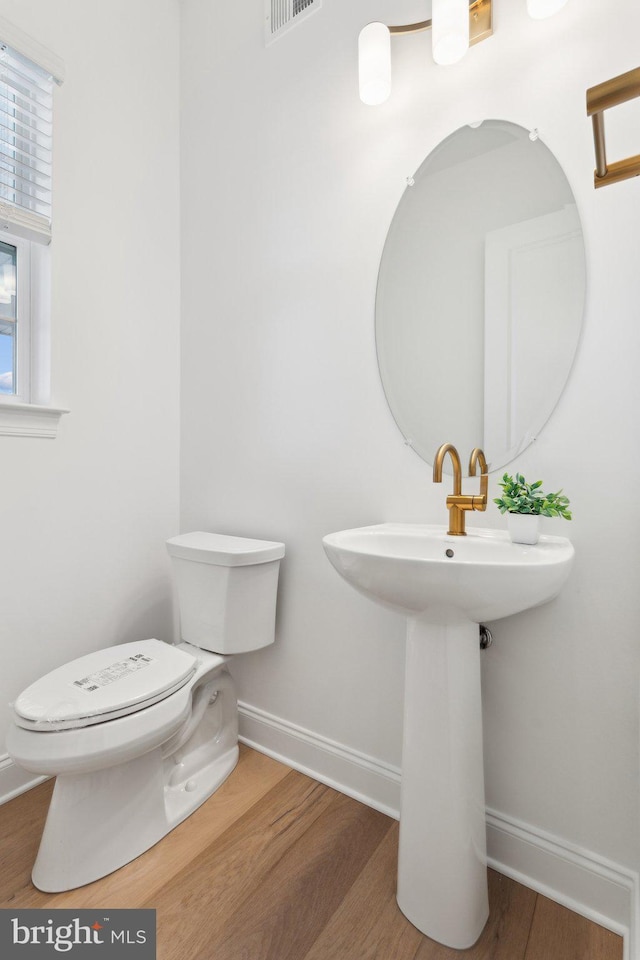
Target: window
26	128
15	343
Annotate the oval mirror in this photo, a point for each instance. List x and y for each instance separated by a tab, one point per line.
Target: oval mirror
480	294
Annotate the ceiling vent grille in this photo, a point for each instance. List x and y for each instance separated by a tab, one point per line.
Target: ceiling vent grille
282	15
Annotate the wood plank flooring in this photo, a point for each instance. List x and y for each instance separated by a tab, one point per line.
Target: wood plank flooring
276	866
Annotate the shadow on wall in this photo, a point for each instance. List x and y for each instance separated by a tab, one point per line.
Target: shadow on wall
148	614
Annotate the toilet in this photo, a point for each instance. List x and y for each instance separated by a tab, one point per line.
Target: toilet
140	734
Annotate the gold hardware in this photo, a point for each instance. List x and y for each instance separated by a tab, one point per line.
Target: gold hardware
480	25
457	502
600	98
442	451
478	455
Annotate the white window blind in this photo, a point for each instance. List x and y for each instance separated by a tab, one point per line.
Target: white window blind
26	114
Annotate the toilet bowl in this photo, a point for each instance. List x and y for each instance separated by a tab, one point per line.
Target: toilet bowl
140	734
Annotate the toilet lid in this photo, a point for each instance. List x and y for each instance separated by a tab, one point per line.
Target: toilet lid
103	685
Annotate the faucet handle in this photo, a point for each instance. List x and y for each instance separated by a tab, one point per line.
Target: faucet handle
477	456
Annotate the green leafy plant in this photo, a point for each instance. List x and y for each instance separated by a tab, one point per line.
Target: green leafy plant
521	497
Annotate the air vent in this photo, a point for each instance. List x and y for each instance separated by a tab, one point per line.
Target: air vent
282	15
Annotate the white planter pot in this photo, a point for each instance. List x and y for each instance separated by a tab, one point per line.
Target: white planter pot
523	527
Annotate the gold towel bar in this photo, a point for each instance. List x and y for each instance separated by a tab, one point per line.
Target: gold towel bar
600	98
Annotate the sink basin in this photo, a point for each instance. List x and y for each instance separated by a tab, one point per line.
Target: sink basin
421	571
445	586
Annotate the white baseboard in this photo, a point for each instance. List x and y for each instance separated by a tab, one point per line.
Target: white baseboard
14	780
364	778
590	885
586	883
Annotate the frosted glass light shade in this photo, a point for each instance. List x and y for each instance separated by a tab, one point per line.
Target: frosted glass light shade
374	63
540	9
449	30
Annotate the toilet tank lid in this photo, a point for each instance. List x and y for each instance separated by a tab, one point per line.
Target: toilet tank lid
222	550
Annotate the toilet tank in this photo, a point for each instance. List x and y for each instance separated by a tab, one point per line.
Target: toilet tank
226	588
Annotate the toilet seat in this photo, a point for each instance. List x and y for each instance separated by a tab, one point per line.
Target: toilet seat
104	685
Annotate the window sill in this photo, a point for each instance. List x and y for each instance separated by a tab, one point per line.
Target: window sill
29	420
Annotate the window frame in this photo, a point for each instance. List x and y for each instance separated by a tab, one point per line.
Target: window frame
35	416
29	412
22	371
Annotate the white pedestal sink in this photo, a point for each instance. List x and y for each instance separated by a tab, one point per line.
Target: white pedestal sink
445	586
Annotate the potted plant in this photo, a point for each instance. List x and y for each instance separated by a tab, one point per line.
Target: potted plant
525	503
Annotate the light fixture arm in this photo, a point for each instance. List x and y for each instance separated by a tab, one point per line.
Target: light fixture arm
412	27
480	23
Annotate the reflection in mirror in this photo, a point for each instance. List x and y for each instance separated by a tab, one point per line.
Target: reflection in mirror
480	294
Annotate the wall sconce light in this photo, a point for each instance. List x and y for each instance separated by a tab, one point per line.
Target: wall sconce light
455	25
374	63
449	30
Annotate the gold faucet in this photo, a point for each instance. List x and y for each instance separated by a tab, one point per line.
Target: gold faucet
458	502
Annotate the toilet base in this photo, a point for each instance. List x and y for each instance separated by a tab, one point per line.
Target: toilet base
101	820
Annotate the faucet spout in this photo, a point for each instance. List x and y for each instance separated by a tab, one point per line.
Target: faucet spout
441	452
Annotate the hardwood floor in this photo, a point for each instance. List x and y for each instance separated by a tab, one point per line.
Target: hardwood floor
276	866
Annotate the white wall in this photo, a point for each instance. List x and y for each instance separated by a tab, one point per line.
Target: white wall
289	185
83	518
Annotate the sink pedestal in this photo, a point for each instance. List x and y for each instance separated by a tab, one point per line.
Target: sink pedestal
442	875
446	586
